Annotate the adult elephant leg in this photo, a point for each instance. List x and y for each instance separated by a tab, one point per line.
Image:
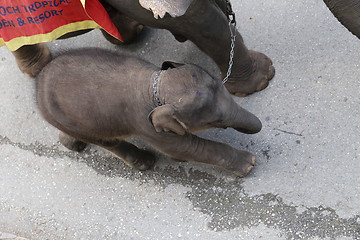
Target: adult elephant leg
251	70
32	58
205	24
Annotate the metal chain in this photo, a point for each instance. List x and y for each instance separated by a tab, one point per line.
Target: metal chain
232	27
156	88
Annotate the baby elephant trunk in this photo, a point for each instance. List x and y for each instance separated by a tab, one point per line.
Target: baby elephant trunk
243	121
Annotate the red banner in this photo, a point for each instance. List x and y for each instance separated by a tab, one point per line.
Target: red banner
24	22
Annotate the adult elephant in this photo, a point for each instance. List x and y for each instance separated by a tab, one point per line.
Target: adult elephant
206	24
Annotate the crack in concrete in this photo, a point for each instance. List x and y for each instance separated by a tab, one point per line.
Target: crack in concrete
227	203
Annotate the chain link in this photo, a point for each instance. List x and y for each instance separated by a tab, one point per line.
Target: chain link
232	28
156	88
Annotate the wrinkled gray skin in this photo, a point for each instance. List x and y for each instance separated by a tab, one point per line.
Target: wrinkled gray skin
113	98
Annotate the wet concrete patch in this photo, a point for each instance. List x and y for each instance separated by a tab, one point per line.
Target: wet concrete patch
226	202
230	207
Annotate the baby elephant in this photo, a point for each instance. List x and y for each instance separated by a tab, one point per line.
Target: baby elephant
99	97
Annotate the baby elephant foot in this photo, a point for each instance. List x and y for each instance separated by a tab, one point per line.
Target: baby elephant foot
71	143
244	164
256	79
31	59
142	160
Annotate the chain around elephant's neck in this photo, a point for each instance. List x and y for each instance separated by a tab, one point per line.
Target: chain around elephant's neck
156	80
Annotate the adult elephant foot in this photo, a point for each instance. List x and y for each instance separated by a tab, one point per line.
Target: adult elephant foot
31	59
253	78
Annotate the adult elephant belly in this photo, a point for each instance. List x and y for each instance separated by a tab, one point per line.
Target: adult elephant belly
206	24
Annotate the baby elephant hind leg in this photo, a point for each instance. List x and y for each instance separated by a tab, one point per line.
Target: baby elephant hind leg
131	155
31	59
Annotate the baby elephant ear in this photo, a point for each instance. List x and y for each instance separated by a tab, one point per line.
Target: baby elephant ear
168	64
163	119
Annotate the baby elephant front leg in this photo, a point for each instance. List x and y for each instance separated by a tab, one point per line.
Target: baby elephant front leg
129	153
192	148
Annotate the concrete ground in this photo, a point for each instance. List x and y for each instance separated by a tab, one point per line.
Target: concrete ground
307	181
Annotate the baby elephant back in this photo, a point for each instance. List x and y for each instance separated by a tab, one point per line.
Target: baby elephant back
85	90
